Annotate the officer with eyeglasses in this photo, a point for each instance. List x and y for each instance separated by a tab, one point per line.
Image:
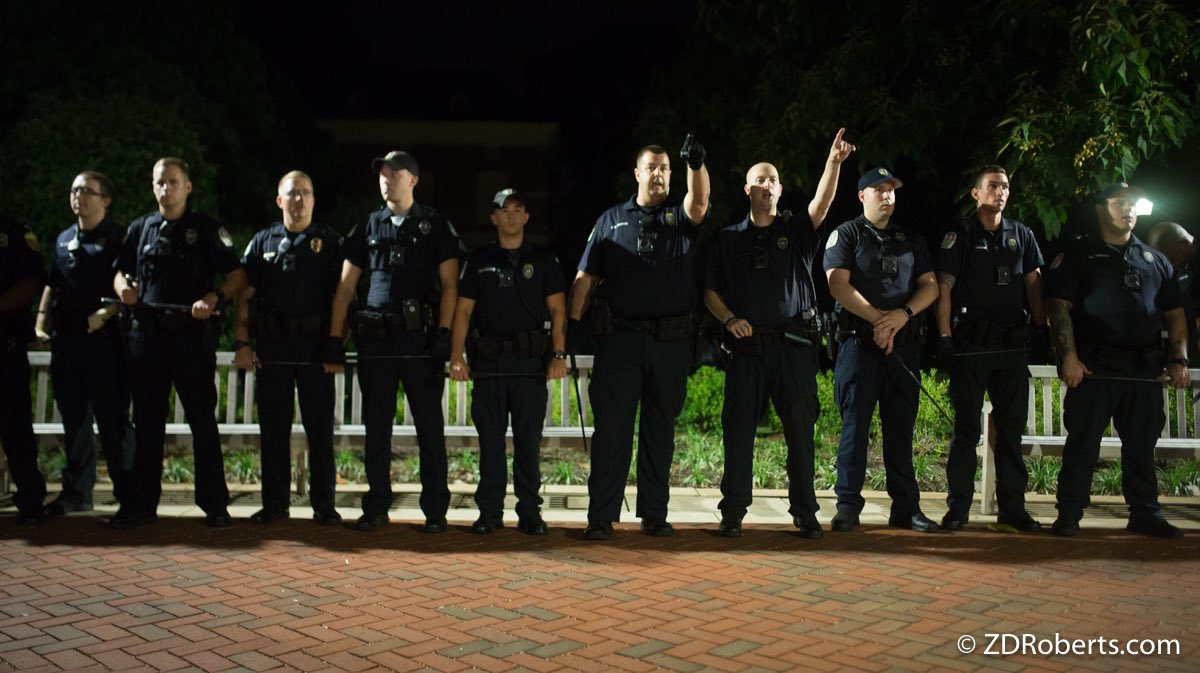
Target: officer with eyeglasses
89	368
637	274
1108	299
165	277
511	317
410	255
21	280
292	268
881	276
760	287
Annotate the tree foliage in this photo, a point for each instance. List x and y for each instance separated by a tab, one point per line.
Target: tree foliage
934	90
115	86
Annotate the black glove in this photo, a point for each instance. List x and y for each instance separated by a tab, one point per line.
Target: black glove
692	153
334	351
440	347
574	332
943	357
1039	346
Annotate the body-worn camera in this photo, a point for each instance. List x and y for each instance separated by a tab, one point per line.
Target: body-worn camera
1132	280
645	242
284	256
506	277
1003	275
889	266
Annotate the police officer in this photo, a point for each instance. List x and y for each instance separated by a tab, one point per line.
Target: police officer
292	268
165	276
410	254
21	279
639	262
89	369
881	277
989	285
1172	240
760	287
514	289
1107	300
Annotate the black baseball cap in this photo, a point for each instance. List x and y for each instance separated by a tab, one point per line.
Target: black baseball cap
1118	188
877	176
504	195
397	160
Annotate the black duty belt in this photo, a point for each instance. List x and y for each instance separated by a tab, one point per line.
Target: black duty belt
673	328
522	345
993	334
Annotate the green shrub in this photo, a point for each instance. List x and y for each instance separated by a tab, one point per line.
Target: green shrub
242	466
179	470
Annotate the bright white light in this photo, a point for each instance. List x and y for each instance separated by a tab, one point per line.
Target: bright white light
1143	206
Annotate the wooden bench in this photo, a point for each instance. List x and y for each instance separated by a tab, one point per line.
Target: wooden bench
237	421
1045	434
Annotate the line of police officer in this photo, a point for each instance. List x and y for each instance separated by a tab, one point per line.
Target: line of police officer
298	280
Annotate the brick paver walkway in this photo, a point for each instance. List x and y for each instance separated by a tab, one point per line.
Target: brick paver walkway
177	596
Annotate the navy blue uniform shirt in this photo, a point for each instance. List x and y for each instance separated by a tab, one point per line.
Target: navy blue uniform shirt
296	278
82	274
659	281
511	297
20	259
175	262
1093	275
764	274
401	260
856	245
973	256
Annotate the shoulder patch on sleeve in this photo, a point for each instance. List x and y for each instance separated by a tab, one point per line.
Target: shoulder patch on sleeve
226	239
833	239
32	242
949	239
453	231
1057	261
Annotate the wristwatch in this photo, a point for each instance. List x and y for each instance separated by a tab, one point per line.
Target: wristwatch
559	355
907	311
1180	361
237	345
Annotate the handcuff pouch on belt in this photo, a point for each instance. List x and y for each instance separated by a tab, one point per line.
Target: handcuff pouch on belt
602	317
522	345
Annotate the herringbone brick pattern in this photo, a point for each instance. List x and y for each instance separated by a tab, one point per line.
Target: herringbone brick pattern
177	596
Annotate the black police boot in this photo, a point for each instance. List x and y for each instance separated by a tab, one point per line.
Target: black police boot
487	523
532	525
810	528
435	525
60	506
657	528
730	527
368	522
955	521
1021	521
598	530
1064	527
219	519
327	517
265	515
844	522
1154	525
917	522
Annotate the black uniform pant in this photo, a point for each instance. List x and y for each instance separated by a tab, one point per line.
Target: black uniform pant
631	367
1005	378
91	383
1136	412
784	375
493	400
422	378
16	427
864	376
276	386
187	360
